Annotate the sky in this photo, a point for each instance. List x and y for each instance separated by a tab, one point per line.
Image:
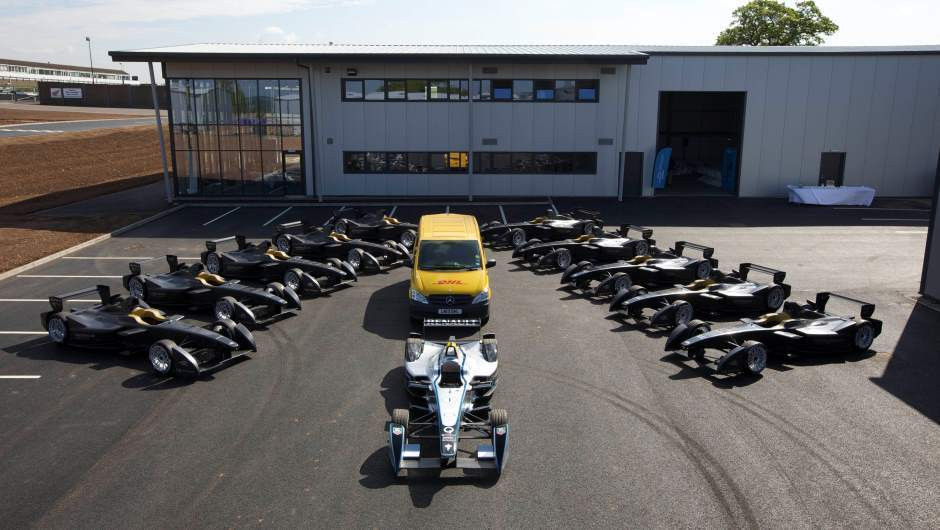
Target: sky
55	30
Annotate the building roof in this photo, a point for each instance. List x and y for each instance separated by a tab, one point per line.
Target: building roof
613	53
70	67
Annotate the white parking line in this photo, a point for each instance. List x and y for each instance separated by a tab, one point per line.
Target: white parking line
882	209
41	300
552	203
910	232
22	332
207	223
20	376
893	220
447	210
271	220
502	213
392	213
109	257
62	276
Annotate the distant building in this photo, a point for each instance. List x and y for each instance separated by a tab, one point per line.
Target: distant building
24	75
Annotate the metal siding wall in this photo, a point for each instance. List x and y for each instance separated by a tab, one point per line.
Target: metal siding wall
882	111
932	267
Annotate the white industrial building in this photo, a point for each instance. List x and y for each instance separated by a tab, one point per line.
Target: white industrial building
330	121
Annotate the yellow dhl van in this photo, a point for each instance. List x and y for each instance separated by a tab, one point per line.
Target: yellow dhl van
449	282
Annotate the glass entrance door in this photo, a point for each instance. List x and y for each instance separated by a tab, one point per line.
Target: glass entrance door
293	173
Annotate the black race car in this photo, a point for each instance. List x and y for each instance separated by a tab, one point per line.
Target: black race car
807	328
372	226
656	268
728	294
317	242
129	324
602	247
549	227
263	262
192	287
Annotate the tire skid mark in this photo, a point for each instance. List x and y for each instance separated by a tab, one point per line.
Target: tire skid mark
736	508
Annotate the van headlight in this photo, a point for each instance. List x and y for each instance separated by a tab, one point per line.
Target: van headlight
482	297
416	295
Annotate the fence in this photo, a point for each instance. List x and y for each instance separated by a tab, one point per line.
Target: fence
87	95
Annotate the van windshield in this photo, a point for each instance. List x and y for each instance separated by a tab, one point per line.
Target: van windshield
435	255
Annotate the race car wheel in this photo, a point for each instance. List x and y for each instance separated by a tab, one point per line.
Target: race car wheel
864	336
642	248
499	417
703	270
588	228
136	287
563	258
517	237
336	263
354	257
58	329
340	226
160	357
213	263
275	288
225	327
774	297
408	238
682	313
697	327
621	282
283	243
402	417
224	308
636	290
755	357
292	279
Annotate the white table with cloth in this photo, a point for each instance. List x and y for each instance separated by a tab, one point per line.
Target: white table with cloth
832	195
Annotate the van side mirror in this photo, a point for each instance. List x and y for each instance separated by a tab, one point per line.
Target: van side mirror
490	263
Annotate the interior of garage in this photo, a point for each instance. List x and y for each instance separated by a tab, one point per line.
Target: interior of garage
703	131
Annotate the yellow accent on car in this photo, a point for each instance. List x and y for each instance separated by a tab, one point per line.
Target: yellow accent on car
147	316
391	220
340	237
584	239
207	278
277	254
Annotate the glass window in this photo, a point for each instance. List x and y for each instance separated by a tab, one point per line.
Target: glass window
250	137
271	138
181	99
522	163
352	89
417	89
375	89
210	176
268	95
482	162
231	173
418	163
587	89
584	163
397	163
449	255
501	163
228	137
291	138
457	161
247	95
252	176
544	90
459	89
354	162
293	174
544	163
564	163
564	90
183	139
522	90
502	89
272	166
225	101
396	89
289	98
207	137
439	89
375	162
438	162
204	101
187	172
482	90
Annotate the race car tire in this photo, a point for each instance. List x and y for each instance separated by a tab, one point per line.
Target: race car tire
641	248
408	238
293	278
161	357
335	262
754	358
284	243
863	337
682	312
582	264
696	327
621	282
275	288
58	328
490	350
774	298
703	270
137	288
224	327
636	290
340	226
517	237
224	308
413	347
563	258
499	417
354	257
588	228
213	263
402	417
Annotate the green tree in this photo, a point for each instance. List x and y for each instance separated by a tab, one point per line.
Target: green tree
772	23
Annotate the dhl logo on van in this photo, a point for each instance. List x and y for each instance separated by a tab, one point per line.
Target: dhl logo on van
448	282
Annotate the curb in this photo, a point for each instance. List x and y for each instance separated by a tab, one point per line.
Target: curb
104	237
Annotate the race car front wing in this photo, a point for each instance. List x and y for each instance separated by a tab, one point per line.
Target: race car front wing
404	455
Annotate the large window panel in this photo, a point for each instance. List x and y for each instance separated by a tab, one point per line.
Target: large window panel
352	89
271	138
290	102
536	163
544	89
502	89
273	168
439	89
375	162
231	172
400	162
522	90
181	99
397	162
226	101
247	96
291	138
204	101
354	162
228	138
419	162
481	90
584	163
250	137
210	176
184	137
252	175
396	89
207	137
564	90
417	89
544	163
522	163
375	89
187	172
268	95
293	174
459	89
587	89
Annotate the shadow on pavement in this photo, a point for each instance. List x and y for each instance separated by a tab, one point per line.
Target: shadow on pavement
913	372
386	313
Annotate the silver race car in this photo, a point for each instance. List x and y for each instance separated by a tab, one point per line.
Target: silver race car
450	384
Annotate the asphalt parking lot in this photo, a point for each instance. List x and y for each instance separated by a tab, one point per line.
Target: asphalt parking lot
607	429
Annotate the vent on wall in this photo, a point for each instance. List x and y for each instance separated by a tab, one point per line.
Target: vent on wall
608	70
489	69
605	141
489	141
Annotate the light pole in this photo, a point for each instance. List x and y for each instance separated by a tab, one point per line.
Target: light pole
90	63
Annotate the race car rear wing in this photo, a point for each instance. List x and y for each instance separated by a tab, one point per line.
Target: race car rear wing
305	226
866	311
707	252
647	233
581	213
239	239
58	301
745	268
